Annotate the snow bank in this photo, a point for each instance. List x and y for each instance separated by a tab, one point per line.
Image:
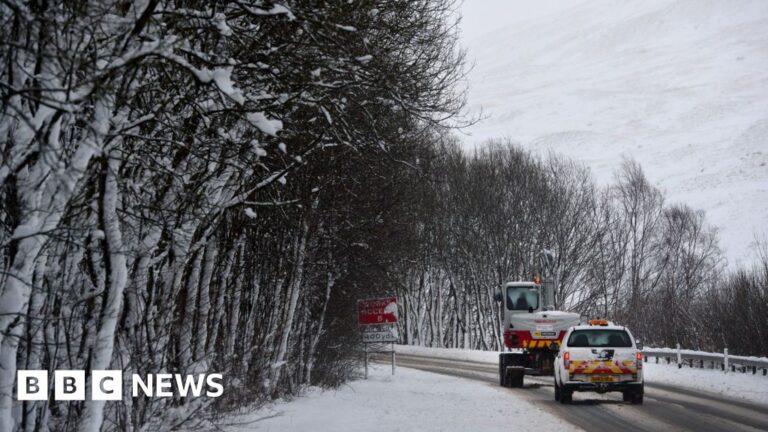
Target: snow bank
409	401
450	353
732	384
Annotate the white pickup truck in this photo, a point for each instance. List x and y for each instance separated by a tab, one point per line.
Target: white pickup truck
599	357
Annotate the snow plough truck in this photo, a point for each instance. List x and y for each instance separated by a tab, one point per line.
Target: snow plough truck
530	326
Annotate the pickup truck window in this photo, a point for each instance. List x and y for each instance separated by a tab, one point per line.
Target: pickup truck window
598	338
522	297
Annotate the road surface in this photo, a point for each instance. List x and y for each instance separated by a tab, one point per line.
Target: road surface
665	408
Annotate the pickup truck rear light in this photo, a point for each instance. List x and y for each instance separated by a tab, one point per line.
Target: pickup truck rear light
567	360
639	360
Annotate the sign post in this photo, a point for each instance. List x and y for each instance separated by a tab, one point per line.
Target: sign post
378	325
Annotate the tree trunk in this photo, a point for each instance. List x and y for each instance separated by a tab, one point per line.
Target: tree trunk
115	273
203	303
295	286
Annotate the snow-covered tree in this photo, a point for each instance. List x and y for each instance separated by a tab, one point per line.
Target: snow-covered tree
180	186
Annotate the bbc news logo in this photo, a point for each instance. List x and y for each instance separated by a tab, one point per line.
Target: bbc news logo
107	385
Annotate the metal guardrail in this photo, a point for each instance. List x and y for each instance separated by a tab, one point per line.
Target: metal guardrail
722	361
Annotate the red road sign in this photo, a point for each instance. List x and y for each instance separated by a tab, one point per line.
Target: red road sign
377	311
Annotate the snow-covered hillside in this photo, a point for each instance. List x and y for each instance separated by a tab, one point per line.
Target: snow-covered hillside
679	85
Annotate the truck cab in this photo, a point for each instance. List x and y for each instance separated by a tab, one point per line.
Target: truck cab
530	321
600	357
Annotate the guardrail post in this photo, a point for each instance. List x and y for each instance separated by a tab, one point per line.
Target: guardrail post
725	360
393	359
679	358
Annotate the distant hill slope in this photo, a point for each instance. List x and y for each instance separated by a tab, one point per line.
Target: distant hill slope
679	85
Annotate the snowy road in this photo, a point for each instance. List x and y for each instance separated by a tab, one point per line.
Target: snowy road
665	407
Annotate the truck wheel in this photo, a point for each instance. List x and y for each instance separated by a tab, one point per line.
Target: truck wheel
503	370
557	392
513	377
566	396
637	397
627	395
517	382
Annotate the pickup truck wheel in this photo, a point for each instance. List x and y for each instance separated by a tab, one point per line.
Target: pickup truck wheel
637	397
557	392
566	396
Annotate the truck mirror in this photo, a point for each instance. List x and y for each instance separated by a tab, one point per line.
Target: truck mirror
498	296
639	345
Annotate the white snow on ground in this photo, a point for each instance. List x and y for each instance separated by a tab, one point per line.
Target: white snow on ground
732	384
409	401
450	353
678	85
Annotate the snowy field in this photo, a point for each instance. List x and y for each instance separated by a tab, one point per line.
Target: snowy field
409	401
732	384
678	85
